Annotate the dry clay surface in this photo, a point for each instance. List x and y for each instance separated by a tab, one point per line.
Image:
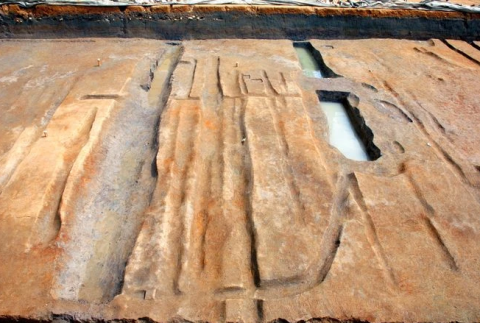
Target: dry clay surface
195	181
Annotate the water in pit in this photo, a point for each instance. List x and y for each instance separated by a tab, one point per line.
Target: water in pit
342	135
310	66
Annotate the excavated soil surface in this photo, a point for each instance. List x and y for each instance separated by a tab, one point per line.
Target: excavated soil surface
194	181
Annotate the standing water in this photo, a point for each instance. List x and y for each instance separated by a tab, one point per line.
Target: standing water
342	135
310	66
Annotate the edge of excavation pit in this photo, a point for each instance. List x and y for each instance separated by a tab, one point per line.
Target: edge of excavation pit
182	22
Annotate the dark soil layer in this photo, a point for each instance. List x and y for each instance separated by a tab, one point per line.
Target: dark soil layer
217	22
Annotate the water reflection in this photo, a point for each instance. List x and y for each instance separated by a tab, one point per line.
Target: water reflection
342	135
310	66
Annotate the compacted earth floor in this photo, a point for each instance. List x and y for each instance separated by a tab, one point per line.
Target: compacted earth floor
198	180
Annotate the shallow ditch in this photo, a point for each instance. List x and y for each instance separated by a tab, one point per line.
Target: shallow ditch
109	210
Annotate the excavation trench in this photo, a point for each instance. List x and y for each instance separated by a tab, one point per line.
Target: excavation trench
109	210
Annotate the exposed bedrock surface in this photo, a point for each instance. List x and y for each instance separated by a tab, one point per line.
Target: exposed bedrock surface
141	179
